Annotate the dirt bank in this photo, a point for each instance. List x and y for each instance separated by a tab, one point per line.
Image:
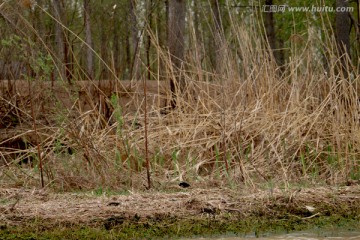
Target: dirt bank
191	211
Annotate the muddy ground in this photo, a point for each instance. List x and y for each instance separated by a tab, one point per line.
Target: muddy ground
179	213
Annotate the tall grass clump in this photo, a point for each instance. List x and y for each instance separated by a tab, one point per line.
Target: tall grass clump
253	124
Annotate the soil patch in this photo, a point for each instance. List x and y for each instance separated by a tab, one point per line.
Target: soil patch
181	213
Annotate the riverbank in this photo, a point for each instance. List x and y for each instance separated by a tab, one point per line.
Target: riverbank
181	212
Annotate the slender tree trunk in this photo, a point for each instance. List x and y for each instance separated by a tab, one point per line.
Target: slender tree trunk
176	45
270	29
198	43
88	40
59	38
342	27
128	51
342	34
218	37
148	66
39	23
196	19
134	41
128	58
104	72
148	37
116	44
167	17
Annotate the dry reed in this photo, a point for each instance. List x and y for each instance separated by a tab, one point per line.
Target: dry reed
298	125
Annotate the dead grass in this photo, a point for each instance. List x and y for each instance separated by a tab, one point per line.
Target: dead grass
251	125
277	133
21	205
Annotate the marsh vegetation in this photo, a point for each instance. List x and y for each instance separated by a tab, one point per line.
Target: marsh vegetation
134	96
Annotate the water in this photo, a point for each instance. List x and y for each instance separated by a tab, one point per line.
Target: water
303	235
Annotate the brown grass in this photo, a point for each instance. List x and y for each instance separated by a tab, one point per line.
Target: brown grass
20	207
296	126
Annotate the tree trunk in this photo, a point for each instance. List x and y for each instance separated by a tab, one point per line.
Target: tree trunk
88	40
134	42
59	38
342	27
116	43
176	45
218	37
196	10
104	39
270	29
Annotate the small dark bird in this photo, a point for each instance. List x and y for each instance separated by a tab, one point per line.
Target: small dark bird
113	204
209	210
184	184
